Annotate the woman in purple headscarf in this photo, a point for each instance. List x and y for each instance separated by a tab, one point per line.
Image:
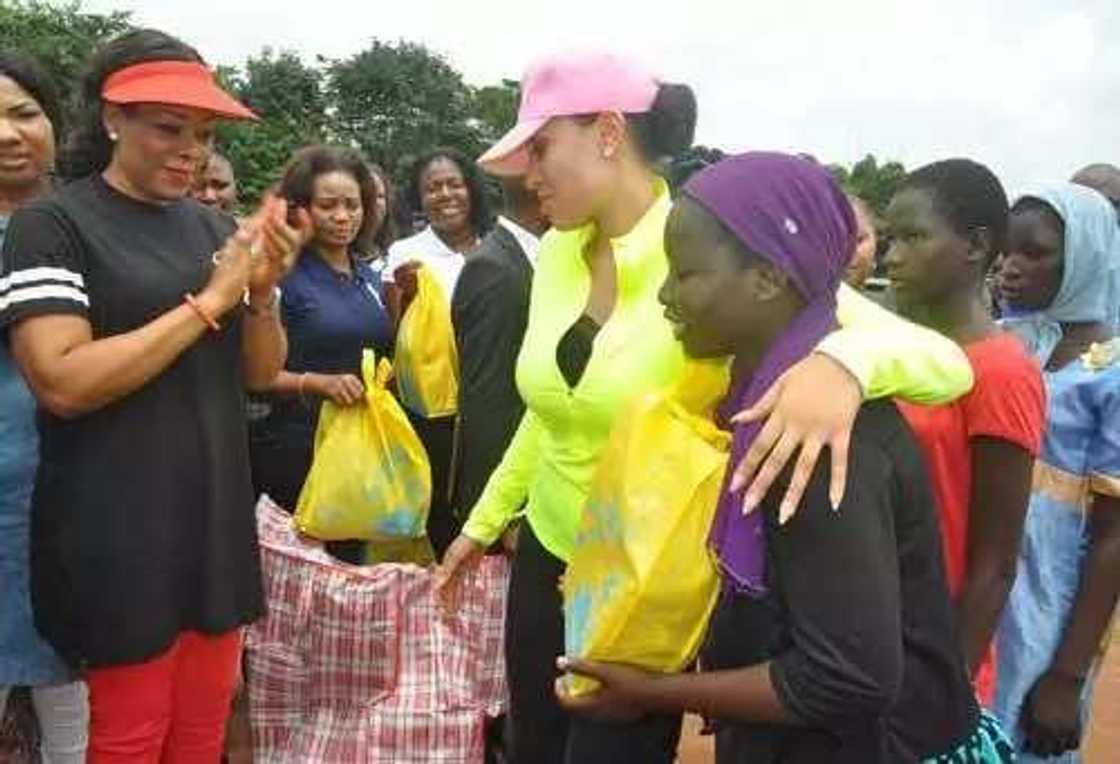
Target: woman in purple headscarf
834	639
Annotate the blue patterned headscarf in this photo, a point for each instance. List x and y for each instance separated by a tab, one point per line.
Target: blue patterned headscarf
1090	275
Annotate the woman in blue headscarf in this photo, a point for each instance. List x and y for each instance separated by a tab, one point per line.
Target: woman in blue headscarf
1062	244
834	639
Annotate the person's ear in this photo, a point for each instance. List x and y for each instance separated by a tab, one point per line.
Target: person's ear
980	244
765	282
612	133
112	119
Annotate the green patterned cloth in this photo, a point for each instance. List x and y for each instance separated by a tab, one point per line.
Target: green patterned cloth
987	745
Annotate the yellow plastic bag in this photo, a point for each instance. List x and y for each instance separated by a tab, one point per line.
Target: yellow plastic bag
370	478
400	552
641	584
427	361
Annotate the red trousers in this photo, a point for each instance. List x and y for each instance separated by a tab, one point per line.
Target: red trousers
169	710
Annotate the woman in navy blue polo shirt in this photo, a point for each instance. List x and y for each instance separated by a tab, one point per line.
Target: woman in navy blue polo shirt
333	308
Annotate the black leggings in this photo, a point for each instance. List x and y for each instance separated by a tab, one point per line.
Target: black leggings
543	733
438	437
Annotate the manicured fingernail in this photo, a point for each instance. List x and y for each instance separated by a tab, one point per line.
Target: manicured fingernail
562	663
750	503
737	482
785	512
835	502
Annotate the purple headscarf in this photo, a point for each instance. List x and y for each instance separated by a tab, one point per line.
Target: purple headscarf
791	212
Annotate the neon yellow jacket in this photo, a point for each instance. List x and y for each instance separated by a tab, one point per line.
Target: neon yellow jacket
551	460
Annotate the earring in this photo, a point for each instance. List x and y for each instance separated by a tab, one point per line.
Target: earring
113	136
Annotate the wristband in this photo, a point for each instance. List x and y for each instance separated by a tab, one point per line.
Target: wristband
265	309
203	316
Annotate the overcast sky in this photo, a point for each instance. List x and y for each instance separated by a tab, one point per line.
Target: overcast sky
1031	88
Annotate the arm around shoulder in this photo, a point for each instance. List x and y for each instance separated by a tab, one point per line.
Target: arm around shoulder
894	357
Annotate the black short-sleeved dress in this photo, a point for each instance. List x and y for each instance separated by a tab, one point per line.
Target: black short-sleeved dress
142	516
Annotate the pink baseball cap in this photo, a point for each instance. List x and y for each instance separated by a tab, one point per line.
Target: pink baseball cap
568	85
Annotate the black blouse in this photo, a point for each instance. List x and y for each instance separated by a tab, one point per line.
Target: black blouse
573	352
856	623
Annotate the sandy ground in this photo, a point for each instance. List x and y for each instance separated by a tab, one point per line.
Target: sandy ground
1104	735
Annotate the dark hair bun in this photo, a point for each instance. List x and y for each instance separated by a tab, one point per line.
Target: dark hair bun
672	121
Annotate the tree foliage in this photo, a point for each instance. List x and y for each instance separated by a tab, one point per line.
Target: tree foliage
392	101
873	182
495	107
61	36
288	96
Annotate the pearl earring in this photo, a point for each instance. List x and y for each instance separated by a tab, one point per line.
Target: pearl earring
112	136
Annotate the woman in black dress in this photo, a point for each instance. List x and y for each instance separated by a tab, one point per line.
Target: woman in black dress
138	317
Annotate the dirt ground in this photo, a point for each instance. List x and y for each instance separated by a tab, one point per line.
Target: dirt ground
1104	735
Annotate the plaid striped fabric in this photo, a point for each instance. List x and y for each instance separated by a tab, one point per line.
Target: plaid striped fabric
359	664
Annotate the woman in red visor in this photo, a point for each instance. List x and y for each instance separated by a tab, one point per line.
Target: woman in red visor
139	317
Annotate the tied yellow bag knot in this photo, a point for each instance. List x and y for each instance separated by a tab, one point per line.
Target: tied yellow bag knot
370	477
426	360
642	582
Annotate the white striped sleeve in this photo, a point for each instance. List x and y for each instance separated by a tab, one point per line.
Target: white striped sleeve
41	274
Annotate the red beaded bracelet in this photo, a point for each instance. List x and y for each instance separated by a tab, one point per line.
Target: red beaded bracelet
205	317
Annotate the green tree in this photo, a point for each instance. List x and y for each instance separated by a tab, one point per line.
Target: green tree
60	36
495	108
873	182
288	96
395	100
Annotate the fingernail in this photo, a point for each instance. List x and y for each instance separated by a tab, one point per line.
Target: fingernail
785	512
562	663
737	482
835	502
750	503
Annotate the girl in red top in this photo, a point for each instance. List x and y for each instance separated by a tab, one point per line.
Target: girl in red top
947	224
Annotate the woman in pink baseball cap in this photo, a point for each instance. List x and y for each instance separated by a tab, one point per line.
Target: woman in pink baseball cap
592	131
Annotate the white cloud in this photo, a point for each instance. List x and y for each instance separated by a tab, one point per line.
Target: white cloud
1027	87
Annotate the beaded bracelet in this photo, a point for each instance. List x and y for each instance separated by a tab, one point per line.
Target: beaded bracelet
205	317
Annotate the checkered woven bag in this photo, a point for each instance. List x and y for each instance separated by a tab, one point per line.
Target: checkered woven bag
359	664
